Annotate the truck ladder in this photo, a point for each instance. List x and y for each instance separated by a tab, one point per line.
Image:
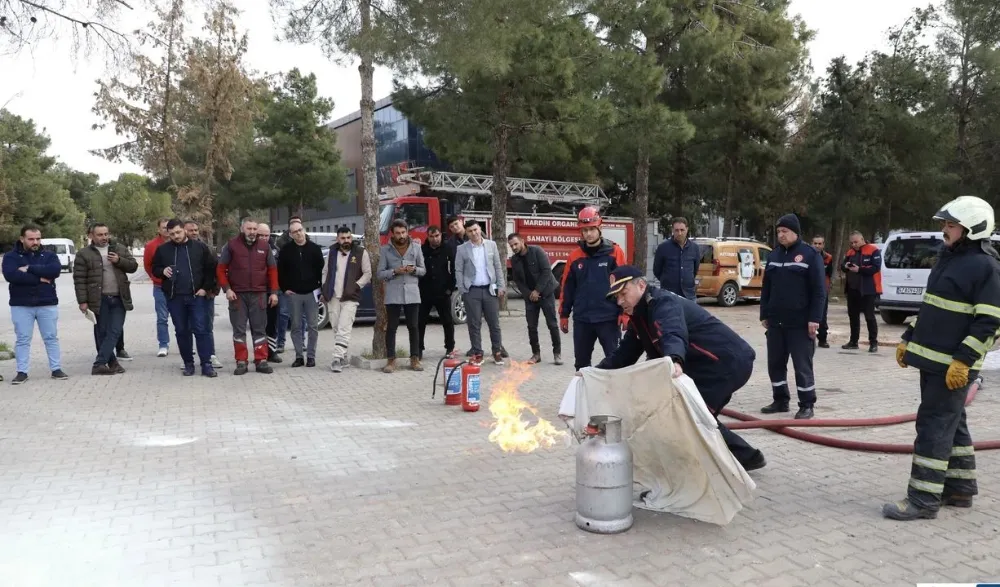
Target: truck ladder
553	192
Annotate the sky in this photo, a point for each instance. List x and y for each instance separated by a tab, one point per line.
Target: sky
56	90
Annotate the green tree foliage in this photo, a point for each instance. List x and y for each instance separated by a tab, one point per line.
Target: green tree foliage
130	208
32	189
532	100
81	185
294	162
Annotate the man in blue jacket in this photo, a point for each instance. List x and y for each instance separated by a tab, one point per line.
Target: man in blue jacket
676	262
663	324
31	273
791	308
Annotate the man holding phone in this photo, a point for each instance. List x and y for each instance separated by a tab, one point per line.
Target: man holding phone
400	267
863	284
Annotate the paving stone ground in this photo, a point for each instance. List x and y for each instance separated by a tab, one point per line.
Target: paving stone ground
307	478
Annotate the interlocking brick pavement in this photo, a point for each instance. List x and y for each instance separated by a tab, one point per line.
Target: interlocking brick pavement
307	478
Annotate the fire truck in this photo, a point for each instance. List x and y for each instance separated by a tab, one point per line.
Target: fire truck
543	212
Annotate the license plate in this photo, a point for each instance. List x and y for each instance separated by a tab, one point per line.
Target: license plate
909	291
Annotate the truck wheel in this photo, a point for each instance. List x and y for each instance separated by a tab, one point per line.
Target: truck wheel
893	317
728	295
322	316
458	314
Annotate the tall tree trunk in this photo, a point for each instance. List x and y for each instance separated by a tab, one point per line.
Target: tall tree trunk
501	167
641	212
372	236
727	218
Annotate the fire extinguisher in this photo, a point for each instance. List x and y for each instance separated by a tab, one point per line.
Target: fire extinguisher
451	380
470	387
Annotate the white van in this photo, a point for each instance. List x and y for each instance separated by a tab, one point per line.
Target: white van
907	259
64	248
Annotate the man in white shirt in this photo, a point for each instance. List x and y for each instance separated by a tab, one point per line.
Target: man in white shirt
348	271
481	277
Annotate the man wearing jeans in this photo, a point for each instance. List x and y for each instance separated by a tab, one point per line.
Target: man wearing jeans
300	271
532	271
349	270
191	228
102	287
480	275
187	268
31	273
159	300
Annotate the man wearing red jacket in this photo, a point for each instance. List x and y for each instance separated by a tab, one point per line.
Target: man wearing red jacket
248	273
159	299
585	283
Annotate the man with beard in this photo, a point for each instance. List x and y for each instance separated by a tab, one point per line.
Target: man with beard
349	270
436	287
400	267
187	268
585	285
531	270
193	232
159	300
100	276
31	273
819	243
248	273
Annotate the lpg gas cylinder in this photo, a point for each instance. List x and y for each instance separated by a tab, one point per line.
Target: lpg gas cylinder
604	478
453	382
470	387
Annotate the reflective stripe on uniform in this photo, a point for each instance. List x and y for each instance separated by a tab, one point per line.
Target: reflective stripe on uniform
778	383
937	357
962	451
960	474
929	463
927	486
949	305
975	344
788	264
988	310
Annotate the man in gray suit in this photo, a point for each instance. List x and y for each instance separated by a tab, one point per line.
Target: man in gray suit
481	277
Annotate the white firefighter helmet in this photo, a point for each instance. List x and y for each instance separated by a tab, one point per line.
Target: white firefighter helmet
972	213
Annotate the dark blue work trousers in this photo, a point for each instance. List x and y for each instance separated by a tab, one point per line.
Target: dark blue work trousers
783	343
717	384
586	334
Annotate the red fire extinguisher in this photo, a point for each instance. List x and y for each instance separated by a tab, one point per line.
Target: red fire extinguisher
470	387
453	382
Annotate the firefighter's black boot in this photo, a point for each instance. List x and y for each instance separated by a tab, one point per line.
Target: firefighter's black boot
774	408
958	501
905	511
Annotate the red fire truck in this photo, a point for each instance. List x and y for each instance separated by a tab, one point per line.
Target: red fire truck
543	212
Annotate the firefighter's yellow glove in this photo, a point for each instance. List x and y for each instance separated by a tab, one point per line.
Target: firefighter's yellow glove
957	376
900	351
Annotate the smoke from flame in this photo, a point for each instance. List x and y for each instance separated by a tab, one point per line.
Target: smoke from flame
510	432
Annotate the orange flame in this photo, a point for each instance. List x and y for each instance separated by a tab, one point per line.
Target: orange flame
510	432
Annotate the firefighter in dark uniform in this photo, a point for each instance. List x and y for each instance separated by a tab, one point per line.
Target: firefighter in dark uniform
958	322
716	358
791	308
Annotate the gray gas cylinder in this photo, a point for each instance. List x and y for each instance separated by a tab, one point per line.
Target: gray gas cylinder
604	478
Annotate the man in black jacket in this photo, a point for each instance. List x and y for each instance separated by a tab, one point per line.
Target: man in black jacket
792	298
187	268
300	274
436	287
532	272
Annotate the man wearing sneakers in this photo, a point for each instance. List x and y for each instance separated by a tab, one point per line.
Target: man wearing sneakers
159	300
248	273
348	271
31	273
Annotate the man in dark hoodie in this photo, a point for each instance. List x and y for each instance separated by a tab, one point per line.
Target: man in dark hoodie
791	308
187	268
585	284
436	287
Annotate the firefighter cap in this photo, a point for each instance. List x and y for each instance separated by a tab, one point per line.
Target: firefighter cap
621	276
972	213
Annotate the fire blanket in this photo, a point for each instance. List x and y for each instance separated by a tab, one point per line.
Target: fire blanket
679	455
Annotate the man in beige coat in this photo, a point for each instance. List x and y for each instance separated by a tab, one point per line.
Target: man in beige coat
400	267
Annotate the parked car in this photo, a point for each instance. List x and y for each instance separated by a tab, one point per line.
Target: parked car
64	248
731	269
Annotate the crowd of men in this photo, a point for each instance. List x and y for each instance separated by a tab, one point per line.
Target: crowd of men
955	328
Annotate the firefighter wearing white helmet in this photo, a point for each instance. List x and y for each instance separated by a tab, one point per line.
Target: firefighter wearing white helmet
958	321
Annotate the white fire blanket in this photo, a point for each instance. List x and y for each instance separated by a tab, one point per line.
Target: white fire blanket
678	452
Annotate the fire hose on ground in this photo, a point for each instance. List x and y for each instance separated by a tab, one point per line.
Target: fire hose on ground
784	427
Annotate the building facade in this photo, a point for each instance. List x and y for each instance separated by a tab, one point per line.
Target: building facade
397	140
